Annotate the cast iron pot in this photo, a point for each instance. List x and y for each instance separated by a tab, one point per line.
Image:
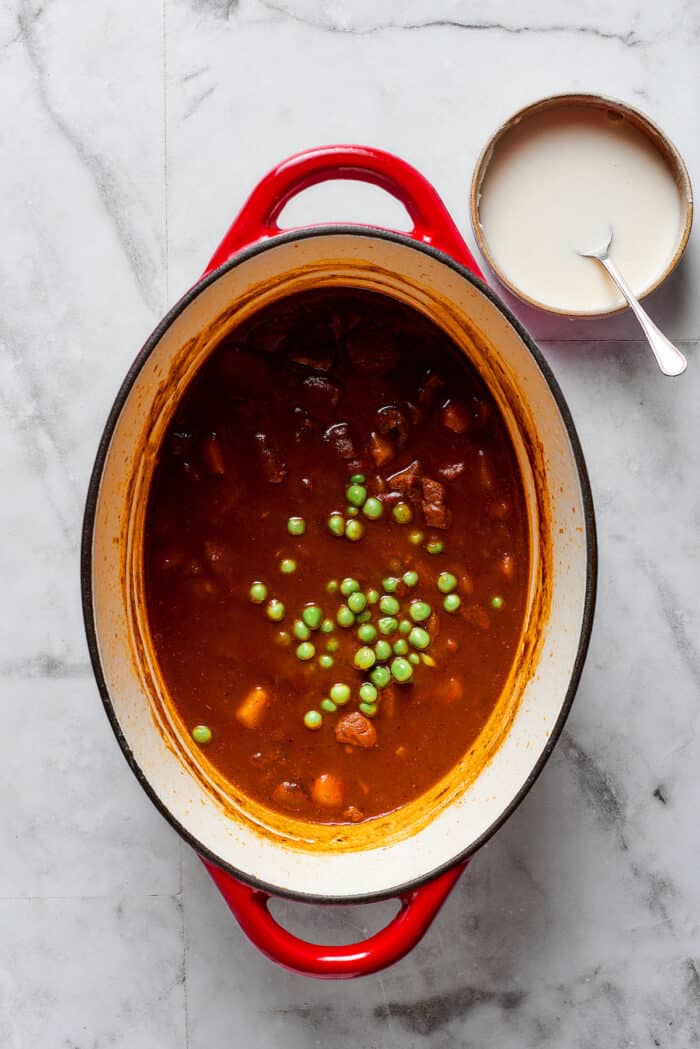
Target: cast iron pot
417	853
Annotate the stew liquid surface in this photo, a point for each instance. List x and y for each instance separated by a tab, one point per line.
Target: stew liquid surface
336	556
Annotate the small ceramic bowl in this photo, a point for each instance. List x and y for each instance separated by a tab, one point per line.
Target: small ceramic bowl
616	111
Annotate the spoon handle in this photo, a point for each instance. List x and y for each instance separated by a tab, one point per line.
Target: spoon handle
668	357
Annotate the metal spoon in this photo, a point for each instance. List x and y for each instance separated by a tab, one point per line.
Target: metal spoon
669	359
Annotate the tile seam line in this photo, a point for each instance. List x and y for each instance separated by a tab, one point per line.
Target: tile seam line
183	929
686	340
165	153
82	898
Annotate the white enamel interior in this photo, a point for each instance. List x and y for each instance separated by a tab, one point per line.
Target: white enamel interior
325	872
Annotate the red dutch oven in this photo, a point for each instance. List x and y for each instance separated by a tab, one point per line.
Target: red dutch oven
417	853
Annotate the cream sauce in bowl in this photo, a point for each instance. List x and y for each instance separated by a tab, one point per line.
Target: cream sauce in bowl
557	180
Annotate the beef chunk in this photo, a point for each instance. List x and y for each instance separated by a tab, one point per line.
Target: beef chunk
244	374
452	470
356	730
268	334
433	502
315	346
455	417
288	795
413	412
319	396
506	564
380	449
341	440
477	617
372	348
303	425
408	482
213	455
353	814
219	557
271	462
498	509
391	422
432	390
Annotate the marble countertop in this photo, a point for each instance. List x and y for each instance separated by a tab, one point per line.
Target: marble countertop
131	132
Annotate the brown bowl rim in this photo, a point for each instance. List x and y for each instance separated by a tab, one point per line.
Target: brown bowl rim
643	123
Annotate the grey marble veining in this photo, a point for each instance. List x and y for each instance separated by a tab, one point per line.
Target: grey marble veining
131	133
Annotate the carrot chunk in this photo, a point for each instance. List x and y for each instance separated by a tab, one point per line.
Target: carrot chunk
327	790
251	711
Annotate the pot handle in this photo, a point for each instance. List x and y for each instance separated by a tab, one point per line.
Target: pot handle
418	908
257	220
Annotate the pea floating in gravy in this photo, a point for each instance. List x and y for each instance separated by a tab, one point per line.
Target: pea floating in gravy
336	556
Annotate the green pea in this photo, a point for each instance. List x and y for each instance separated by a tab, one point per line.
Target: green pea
435	547
402	513
332	586
419	638
400	647
416	538
301	631
387	624
405	626
390	584
351	511
364	617
419	611
332	645
312	616
381	676
366	633
389	605
356	494
414	658
336	524
312	719
349	586
373	508
452	602
328	705
201	734
340	693
401	670
354	530
368	709
382	650
327	626
364	658
368	693
497	602
275	610
410	578
344	616
296	525
287	566
446	582
372	596
257	593
325	661
357	479
305	651
357	603
283	638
